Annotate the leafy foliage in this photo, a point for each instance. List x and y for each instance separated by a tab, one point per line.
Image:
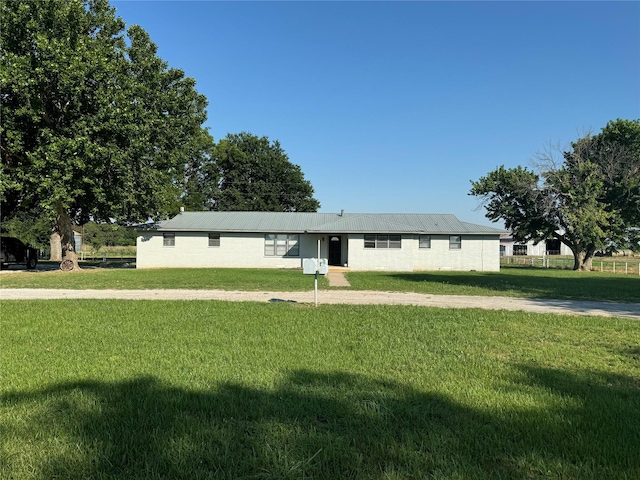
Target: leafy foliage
250	173
513	195
95	125
589	202
28	226
619	164
108	234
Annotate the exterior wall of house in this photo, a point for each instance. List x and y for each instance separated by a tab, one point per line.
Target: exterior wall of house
246	250
536	250
478	252
236	250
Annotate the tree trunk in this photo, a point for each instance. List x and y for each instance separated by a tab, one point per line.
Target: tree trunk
583	259
63	224
56	246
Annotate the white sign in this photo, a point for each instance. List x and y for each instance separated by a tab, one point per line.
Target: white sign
312	265
323	266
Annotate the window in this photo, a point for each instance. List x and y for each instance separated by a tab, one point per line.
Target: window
382	241
369	241
168	239
553	247
519	249
214	239
281	245
424	241
455	242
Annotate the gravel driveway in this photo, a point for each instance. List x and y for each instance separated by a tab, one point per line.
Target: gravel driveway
563	307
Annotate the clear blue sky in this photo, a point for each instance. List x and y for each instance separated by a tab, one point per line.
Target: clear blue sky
396	106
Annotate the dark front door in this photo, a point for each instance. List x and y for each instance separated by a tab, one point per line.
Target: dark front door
335	250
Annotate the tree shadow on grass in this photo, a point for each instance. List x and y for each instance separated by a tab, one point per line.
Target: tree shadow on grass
316	425
580	286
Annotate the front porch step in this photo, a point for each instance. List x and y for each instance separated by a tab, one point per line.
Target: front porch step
336	268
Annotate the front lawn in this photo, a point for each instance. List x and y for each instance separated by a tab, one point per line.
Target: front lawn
195	390
163	278
512	282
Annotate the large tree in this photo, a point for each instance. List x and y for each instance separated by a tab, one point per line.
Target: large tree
590	200
95	125
249	173
617	154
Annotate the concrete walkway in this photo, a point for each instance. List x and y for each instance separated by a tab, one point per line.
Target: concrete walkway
536	305
337	279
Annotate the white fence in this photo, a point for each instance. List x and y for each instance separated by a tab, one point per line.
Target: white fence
622	266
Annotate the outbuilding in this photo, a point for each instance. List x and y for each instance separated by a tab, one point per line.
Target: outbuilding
359	241
509	247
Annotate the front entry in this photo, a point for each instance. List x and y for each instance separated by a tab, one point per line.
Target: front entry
335	250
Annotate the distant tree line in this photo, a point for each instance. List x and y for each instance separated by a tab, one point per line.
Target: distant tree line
100	235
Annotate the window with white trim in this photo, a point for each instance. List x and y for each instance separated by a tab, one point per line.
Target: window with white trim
455	242
424	241
214	239
281	245
168	239
382	241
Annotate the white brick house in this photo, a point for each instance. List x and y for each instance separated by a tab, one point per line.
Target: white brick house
509	247
392	242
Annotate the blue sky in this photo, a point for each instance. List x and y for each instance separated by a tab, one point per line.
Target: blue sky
396	106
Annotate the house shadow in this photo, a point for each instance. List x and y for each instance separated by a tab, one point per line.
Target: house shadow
324	425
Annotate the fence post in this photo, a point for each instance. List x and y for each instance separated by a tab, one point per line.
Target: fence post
614	267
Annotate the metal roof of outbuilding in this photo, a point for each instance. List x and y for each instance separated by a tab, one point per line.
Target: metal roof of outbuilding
306	222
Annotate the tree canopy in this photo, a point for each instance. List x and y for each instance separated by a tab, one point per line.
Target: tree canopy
589	201
95	125
108	234
249	173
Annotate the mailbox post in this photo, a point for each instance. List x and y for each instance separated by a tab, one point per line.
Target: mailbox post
315	266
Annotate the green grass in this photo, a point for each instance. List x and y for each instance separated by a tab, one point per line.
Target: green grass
512	282
195	390
189	278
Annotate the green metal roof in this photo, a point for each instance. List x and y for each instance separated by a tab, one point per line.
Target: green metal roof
325	223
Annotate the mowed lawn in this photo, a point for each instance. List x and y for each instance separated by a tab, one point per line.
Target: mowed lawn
511	282
216	390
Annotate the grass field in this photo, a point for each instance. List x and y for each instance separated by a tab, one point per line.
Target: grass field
195	390
512	282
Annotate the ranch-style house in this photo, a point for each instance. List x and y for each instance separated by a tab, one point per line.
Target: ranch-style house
359	241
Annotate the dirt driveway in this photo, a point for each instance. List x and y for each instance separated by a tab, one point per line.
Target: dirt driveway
562	307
